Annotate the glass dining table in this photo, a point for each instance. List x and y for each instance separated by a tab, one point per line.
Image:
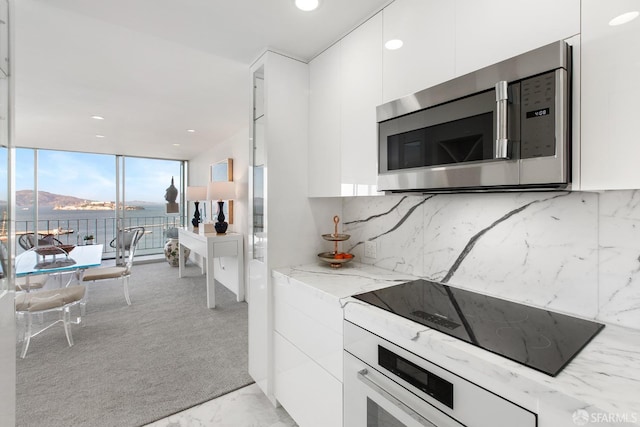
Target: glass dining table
50	261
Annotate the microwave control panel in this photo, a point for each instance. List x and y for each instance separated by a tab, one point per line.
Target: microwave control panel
537	120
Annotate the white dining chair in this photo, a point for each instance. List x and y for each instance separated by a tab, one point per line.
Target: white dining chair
52	300
29	283
119	272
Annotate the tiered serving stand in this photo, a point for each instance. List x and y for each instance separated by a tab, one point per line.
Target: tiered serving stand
335	258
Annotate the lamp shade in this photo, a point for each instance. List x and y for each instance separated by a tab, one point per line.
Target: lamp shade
195	194
221	190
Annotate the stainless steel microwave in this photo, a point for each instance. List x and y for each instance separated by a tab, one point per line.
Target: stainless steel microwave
505	126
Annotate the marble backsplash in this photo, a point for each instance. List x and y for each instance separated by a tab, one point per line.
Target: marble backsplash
573	252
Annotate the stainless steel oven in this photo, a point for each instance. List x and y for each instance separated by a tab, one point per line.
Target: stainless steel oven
388	386
501	127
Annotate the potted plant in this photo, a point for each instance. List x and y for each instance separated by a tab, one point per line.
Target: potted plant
88	239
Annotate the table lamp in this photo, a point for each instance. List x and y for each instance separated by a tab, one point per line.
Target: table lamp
195	194
221	191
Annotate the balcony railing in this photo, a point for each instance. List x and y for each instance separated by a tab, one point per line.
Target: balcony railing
73	231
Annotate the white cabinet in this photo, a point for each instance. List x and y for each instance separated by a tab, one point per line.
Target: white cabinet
427	30
609	96
345	89
308	340
283	221
361	93
443	40
324	124
447	39
491	31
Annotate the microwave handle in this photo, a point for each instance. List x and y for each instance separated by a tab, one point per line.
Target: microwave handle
501	148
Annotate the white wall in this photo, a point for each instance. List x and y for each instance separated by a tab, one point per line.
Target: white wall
7	289
236	148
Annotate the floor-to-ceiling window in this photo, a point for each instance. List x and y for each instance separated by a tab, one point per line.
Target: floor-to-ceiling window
146	183
74	197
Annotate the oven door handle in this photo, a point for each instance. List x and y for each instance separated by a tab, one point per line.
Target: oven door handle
362	376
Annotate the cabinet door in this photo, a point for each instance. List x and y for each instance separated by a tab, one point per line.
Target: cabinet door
609	96
324	124
426	27
491	31
361	82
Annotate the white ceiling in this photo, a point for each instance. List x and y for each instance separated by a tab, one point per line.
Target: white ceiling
154	68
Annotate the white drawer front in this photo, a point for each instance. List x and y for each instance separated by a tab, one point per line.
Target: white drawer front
326	313
221	249
317	341
309	394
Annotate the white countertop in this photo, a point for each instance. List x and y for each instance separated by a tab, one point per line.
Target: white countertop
603	379
336	284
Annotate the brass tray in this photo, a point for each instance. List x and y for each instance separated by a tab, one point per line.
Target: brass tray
336	237
335	262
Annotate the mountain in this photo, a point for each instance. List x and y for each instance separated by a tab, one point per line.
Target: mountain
25	198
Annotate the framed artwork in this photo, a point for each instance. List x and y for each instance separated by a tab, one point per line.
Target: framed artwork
222	171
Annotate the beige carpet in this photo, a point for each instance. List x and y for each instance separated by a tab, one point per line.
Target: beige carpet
131	365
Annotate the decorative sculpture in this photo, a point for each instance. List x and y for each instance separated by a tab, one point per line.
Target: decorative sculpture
170	196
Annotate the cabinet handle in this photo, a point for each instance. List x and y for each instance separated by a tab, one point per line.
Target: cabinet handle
502	102
362	376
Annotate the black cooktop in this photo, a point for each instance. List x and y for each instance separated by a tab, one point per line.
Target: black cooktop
538	338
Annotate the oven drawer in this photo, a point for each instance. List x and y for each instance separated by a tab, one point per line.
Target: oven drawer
373	400
459	400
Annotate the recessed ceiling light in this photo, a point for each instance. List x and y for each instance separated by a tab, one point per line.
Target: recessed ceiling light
393	44
176	145
191	130
624	18
99	136
97	117
307	5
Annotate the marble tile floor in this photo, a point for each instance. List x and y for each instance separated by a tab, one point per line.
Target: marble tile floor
246	407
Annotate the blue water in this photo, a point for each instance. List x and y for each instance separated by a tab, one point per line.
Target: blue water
100	224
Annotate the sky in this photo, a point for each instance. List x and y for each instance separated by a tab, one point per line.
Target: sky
93	176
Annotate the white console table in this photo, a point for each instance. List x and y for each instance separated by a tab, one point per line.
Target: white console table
210	246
